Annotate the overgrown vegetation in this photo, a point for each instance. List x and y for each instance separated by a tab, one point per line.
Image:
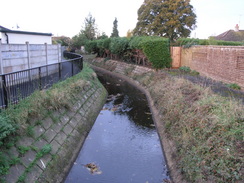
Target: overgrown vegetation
207	129
234	86
17	120
188	42
156	49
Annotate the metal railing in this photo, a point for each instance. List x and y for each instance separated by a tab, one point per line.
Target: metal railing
16	86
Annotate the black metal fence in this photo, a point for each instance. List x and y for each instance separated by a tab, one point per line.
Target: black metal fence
18	85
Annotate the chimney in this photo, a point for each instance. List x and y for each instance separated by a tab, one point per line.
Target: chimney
237	28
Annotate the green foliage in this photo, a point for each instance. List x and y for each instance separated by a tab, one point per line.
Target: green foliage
91	46
23	149
188	42
119	45
234	86
194	73
157	51
64	41
88	33
6	128
155	48
185	69
115	32
102	45
167	18
45	150
136	42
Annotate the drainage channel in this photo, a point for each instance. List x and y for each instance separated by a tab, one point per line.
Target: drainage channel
123	145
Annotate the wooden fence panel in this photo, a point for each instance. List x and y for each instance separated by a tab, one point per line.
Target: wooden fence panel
176	56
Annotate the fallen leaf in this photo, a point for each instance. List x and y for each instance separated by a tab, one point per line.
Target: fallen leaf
93	168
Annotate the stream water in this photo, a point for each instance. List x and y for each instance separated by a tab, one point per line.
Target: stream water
123	145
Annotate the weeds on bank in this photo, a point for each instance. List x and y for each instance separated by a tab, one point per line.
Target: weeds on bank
208	130
18	120
234	86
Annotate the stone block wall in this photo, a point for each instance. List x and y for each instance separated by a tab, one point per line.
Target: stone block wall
65	130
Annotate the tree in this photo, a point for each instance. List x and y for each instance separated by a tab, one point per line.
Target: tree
167	18
115	32
102	36
63	40
88	33
90	30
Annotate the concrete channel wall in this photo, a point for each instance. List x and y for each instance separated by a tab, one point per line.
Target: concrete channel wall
65	130
131	74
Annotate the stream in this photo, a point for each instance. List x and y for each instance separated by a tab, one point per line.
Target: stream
123	145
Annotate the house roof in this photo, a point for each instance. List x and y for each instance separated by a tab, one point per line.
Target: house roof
231	35
5	30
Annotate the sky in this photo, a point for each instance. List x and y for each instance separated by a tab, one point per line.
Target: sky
67	17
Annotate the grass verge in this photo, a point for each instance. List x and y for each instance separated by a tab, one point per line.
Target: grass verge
207	129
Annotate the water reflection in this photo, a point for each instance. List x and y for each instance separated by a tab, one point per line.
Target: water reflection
123	143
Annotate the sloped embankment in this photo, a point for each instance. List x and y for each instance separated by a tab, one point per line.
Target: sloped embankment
201	132
49	129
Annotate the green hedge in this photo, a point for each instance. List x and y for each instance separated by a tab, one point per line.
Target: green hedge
91	46
119	45
188	42
156	49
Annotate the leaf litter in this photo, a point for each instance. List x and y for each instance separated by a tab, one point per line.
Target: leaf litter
93	168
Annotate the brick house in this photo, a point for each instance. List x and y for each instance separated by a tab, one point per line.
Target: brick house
232	35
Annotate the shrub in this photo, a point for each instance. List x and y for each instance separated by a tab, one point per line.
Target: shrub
91	46
185	69
119	45
136	42
234	86
6	128
156	49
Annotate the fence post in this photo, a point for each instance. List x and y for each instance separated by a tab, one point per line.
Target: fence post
46	57
28	58
1	61
59	51
59	70
28	53
40	78
5	93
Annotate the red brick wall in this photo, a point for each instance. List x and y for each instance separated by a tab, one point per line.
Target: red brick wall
223	63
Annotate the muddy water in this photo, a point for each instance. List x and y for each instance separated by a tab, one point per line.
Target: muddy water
123	145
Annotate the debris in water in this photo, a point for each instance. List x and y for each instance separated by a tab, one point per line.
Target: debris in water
148	113
93	168
114	109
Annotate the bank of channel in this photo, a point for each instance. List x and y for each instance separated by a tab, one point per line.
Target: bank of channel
123	144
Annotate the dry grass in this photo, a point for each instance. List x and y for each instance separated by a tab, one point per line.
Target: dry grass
208	129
